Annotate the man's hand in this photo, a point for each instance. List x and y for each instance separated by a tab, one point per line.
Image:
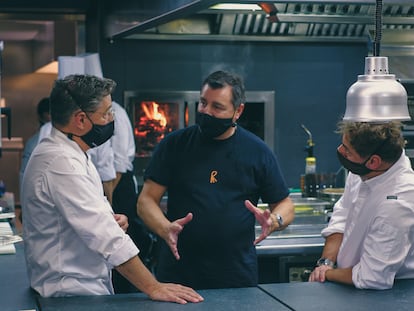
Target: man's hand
174	293
122	221
318	274
263	217
174	230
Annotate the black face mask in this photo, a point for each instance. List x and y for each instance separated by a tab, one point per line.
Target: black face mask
212	127
356	168
98	134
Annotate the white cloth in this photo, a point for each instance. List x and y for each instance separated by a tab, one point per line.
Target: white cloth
376	217
29	146
123	142
102	156
45	130
103	159
72	240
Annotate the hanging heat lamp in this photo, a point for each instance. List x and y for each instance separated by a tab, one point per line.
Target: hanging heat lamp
377	96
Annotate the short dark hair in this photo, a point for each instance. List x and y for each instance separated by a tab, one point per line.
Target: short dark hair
43	110
220	79
43	106
75	92
383	139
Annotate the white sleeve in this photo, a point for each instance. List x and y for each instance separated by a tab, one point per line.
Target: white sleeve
123	143
45	131
103	159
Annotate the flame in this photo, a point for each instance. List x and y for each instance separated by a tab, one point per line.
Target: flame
151	127
151	112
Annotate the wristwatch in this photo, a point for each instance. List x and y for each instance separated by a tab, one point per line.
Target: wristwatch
325	262
277	218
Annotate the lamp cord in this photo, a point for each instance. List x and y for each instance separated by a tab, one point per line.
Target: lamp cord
378	27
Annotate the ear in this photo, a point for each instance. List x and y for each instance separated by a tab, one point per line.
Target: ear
80	119
375	162
239	111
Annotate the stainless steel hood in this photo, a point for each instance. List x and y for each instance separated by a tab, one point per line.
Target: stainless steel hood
298	20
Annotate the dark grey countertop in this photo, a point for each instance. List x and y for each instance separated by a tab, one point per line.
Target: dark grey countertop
14	283
332	296
229	299
16	295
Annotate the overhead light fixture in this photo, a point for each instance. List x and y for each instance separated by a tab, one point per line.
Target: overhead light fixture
377	96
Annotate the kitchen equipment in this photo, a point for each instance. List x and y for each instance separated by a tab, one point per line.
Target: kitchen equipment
330	195
309	183
376	96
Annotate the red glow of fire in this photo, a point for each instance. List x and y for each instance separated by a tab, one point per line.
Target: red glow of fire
153	120
152	113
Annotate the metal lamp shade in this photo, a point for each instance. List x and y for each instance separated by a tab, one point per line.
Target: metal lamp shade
376	96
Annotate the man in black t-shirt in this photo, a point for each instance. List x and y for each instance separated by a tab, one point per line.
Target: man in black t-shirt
215	172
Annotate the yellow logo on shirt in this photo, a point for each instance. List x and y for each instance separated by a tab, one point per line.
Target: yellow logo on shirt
213	178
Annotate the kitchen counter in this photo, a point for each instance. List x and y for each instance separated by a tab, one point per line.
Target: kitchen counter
237	299
284	296
14	285
338	297
16	295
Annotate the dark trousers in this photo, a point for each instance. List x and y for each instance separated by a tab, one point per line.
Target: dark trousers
124	201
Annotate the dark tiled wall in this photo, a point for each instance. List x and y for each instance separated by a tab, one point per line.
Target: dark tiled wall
310	81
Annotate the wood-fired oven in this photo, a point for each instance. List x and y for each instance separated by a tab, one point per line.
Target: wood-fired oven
154	114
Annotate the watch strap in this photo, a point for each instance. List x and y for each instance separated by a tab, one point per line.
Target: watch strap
325	262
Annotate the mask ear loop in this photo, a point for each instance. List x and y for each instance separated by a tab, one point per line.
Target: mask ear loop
376	152
70	135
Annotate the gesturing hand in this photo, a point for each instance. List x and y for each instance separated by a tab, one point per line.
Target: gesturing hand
174	230
263	218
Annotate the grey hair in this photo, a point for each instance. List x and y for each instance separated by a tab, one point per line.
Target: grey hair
76	92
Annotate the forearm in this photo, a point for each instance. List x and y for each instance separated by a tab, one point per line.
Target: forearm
332	245
340	275
284	208
108	189
151	214
115	182
136	272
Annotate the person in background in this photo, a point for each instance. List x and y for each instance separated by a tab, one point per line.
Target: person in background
370	237
72	237
215	172
43	117
125	193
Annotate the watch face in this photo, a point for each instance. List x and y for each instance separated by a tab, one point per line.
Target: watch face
325	262
279	220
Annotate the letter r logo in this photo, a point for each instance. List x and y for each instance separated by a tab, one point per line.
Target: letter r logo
213	177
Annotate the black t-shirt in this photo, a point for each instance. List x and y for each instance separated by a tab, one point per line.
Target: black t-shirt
212	179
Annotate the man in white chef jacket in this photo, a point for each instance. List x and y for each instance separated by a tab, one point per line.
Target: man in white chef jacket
370	237
72	237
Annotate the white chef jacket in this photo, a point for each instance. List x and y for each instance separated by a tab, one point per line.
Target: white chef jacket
123	142
376	217
101	156
71	238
